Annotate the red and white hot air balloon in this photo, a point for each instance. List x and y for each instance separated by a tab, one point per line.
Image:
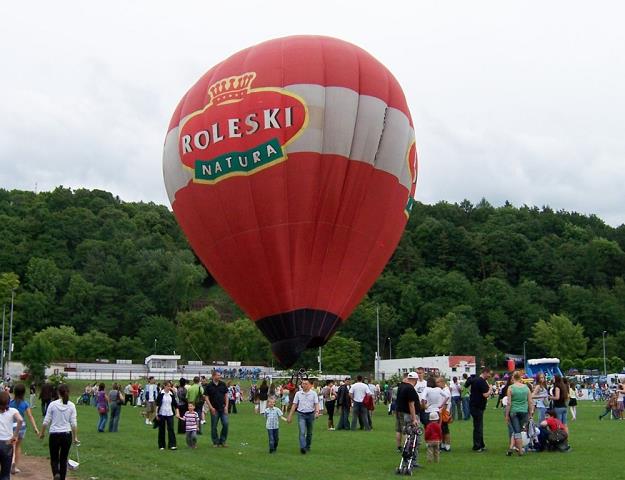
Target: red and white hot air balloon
291	167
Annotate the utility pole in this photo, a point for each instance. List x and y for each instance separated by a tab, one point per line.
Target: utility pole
390	349
524	357
11	327
3	319
377	353
605	368
319	359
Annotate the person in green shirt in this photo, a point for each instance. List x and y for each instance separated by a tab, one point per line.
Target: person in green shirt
518	409
465	393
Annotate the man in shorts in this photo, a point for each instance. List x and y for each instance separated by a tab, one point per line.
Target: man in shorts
151	392
408	407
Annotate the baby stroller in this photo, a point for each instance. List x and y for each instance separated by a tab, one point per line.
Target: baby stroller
533	444
410	450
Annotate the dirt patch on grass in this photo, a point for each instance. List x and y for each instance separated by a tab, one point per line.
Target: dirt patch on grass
35	468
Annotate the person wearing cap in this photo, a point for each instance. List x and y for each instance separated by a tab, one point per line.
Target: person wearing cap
344	402
408	407
433	438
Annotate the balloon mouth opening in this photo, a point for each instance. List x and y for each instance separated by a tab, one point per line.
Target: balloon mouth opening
291	333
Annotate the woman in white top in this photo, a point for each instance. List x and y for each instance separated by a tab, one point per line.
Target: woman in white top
8	436
61	420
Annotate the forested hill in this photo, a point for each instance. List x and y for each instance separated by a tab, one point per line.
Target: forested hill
464	279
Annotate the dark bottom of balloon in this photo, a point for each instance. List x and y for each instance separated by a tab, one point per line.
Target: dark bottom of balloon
290	333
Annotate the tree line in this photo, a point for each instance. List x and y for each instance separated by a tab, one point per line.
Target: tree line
96	277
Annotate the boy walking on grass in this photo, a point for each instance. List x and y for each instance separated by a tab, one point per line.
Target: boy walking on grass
273	415
192	424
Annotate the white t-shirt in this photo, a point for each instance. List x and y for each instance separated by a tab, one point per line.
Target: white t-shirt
166	407
455	389
434	398
6	423
358	391
420	387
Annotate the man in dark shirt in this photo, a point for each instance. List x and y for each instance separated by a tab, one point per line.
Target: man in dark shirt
408	406
480	391
344	403
217	397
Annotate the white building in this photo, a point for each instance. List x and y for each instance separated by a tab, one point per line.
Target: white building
162	364
447	366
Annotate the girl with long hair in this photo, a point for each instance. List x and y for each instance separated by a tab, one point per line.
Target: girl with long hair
102	404
22	406
540	394
560	397
61	420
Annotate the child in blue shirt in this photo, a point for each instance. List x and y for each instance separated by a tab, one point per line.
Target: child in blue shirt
273	415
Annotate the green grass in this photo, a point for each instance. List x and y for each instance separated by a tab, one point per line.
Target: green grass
132	453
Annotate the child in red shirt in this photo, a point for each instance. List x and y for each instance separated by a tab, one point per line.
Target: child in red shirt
433	438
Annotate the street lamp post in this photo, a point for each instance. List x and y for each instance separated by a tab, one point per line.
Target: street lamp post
390	348
155	346
605	368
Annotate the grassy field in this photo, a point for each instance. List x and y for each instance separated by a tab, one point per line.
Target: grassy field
132	453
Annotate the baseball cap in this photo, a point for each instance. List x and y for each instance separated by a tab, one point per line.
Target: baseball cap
412	375
433	416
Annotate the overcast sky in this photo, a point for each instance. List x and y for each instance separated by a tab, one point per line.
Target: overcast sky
518	101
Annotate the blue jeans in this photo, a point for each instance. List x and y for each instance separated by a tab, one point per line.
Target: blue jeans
344	419
456	408
305	424
6	457
274	437
465	408
223	436
541	413
116	411
561	413
518	420
102	422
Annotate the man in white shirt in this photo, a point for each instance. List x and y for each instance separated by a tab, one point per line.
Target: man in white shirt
420	387
306	403
359	412
150	400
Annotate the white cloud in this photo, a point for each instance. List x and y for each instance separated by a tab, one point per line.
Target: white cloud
522	102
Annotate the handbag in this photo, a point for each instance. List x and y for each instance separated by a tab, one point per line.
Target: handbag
368	402
446	416
102	409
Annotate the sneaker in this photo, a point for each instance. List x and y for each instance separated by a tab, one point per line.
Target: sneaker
162	448
400	450
509	452
480	450
173	448
302	451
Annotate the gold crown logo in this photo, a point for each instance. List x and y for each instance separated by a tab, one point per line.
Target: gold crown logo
231	89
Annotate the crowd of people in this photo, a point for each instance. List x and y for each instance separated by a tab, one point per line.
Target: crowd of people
536	411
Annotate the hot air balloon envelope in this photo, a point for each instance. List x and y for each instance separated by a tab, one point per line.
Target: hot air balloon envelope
291	167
